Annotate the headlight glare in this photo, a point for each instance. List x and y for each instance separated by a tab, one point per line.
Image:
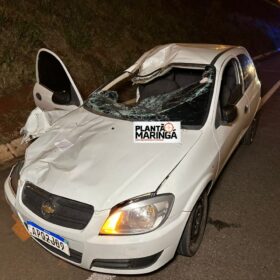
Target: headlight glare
138	216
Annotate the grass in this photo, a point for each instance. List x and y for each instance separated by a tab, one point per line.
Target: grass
17	118
111	33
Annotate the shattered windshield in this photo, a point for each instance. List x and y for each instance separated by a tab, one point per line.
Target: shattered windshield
178	95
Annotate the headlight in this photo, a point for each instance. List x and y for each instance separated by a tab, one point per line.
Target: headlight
14	177
139	215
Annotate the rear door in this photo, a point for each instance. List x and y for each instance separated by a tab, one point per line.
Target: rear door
54	88
252	85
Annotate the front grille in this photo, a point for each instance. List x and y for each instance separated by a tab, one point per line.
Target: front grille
75	256
63	211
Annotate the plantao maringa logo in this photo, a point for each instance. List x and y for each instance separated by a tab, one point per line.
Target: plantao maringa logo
157	132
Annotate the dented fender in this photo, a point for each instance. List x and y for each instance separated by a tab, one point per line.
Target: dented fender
38	122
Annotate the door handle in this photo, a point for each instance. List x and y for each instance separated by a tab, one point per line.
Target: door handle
246	109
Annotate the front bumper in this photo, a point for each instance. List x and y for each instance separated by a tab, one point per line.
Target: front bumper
9	194
135	254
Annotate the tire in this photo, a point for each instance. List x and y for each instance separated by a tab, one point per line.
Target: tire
249	136
194	230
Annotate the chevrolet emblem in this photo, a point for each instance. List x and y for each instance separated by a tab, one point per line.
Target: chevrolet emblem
47	208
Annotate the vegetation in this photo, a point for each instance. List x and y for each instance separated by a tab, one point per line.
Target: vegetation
97	39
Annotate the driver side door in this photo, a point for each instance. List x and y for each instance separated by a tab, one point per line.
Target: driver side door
54	88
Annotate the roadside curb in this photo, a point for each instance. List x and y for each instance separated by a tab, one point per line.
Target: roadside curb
12	150
16	148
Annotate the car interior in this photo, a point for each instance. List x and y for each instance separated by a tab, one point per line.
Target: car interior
231	88
53	77
175	79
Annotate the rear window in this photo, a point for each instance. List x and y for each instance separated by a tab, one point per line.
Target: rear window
248	69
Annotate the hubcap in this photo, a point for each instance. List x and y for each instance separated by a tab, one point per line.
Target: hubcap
197	219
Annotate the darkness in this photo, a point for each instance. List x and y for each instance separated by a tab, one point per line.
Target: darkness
98	39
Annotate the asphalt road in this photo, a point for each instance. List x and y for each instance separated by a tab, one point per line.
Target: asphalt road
242	236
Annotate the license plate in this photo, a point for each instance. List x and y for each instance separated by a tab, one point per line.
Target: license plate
48	237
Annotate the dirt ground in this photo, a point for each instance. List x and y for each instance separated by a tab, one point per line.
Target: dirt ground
14	108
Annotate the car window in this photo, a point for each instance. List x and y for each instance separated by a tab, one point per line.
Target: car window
51	73
231	88
248	69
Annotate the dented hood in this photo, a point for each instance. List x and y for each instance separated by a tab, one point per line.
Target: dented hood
93	159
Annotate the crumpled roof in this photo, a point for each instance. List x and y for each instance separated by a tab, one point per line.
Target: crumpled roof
164	55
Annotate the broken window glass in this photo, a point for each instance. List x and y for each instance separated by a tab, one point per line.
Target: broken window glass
170	97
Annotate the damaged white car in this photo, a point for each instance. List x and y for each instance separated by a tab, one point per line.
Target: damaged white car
90	195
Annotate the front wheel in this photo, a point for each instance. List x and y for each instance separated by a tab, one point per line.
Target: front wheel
194	230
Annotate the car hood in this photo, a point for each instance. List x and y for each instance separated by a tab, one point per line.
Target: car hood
93	159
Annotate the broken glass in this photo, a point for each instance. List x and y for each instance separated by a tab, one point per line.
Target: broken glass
187	104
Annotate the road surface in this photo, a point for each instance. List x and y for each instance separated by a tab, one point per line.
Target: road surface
242	238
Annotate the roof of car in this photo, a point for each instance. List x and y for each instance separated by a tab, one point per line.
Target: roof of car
164	55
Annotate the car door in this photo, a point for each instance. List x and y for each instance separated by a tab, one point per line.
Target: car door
227	134
55	94
252	84
54	88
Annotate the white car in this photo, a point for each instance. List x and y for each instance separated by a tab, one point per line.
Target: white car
90	195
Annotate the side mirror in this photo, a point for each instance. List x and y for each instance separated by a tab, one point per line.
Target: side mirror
229	113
